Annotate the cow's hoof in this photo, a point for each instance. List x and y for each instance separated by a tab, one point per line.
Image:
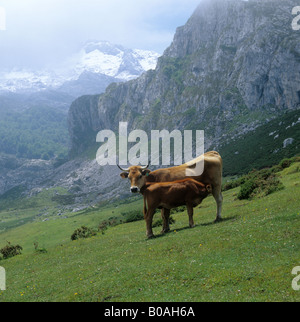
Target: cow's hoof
218	220
192	226
164	231
150	237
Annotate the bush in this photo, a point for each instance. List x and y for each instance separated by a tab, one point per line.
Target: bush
11	250
260	183
231	184
285	163
133	215
159	222
247	189
264	173
82	232
178	209
103	226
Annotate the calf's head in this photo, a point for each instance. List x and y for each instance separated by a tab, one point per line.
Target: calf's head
137	176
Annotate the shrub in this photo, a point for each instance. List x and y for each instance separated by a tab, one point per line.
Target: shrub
11	250
133	215
263	183
159	222
178	209
285	163
272	184
103	226
264	174
231	184
247	189
82	232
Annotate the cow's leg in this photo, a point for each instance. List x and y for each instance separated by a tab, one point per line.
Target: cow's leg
190	211
165	214
217	193
148	219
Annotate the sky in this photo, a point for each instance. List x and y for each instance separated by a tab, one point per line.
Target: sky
38	33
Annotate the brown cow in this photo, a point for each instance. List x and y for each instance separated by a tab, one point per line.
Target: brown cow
170	195
212	175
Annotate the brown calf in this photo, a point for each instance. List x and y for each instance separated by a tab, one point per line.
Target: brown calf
170	195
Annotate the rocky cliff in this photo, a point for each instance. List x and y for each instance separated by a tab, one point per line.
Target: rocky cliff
234	65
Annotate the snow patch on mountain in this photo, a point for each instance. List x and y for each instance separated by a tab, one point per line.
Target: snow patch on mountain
95	57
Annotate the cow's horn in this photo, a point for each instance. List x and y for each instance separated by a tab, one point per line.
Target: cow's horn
146	167
126	170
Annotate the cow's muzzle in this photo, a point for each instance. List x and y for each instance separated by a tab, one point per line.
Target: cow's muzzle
134	189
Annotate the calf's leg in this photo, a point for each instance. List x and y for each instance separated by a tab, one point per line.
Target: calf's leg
190	211
165	214
149	217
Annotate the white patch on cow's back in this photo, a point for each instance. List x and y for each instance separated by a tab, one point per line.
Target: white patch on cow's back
195	167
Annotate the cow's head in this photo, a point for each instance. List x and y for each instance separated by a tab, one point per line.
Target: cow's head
137	176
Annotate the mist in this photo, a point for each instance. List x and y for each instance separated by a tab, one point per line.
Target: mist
42	33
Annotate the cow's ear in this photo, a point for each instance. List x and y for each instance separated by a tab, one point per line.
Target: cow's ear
146	172
124	175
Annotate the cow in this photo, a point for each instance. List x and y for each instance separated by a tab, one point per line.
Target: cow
212	175
170	195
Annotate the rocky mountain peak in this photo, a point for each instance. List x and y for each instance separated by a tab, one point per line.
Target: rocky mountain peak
231	67
95	57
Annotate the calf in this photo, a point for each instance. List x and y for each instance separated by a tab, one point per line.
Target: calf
170	195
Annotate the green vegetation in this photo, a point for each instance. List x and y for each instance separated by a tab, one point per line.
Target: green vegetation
37	133
83	232
133	215
262	182
10	250
262	147
248	256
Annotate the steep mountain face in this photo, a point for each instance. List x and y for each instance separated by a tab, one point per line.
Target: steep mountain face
233	66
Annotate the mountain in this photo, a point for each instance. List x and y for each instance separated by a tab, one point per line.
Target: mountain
231	70
34	104
232	67
98	63
115	60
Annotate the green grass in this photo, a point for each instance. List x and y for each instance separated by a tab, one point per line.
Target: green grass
248	256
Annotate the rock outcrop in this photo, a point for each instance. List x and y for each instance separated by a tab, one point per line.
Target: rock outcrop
234	65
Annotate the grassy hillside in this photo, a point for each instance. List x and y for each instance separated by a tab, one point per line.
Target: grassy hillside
264	146
248	256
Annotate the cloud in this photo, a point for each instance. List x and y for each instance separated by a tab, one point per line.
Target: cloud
40	32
